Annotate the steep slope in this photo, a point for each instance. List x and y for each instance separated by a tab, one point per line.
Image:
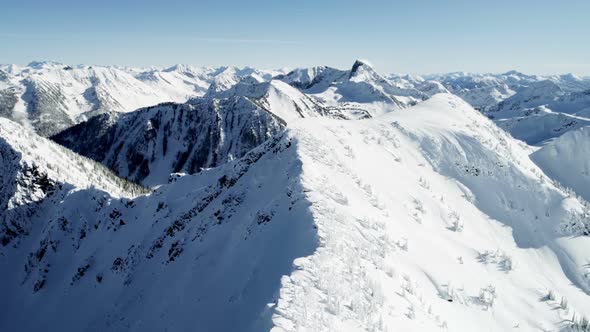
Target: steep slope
277	97
533	95
33	169
227	122
482	91
424	219
53	96
511	90
182	257
530	107
567	160
149	144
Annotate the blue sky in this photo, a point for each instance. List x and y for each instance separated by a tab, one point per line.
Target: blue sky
419	36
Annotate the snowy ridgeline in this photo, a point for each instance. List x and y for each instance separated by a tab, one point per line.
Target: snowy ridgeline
424	219
50	97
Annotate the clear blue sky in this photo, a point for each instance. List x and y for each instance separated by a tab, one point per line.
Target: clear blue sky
413	36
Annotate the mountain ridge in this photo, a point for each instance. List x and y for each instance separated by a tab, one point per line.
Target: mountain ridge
427	218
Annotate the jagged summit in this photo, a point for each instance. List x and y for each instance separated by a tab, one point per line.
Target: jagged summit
357	65
362	71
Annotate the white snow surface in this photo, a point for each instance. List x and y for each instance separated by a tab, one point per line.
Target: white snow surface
49	90
424	219
567	159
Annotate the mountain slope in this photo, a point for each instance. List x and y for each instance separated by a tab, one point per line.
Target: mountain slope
33	169
432	218
149	144
50	96
530	107
359	89
567	160
216	242
423	219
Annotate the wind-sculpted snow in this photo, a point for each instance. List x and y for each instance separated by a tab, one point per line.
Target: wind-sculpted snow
428	218
432	218
567	160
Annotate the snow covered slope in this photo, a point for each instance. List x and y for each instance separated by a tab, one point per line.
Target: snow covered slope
429	218
567	160
432	218
542	111
540	124
184	257
33	168
149	144
530	107
50	96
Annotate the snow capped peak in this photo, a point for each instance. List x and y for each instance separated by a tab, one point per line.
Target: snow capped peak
44	64
182	68
446	102
431	88
413	78
570	77
360	62
362	69
513	72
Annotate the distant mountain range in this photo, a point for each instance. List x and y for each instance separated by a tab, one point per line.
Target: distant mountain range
50	97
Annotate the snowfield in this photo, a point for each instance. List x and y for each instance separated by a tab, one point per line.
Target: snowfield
566	159
424	219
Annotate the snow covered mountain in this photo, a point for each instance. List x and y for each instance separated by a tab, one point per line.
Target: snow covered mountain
427	218
530	107
33	169
567	160
149	144
50	96
541	111
360	88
